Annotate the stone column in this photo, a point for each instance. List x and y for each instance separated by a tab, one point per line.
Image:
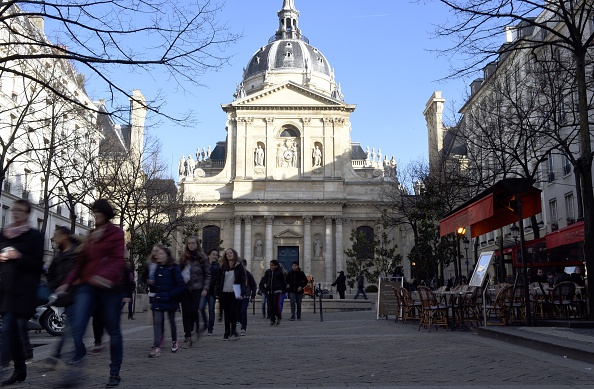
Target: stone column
268	240
328	258
307	244
247	241
237	233
340	262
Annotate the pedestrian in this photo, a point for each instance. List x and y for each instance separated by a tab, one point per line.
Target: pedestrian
96	274
250	295
129	288
340	284
193	300
275	286
231	289
296	281
64	259
262	292
167	285
215	270
361	286
21	265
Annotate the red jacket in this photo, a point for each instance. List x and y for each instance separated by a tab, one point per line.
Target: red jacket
102	256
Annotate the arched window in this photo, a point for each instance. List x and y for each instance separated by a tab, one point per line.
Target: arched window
365	237
289	133
211	238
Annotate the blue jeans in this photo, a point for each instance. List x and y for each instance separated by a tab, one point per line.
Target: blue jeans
243	312
12	343
295	299
211	300
85	300
264	306
361	290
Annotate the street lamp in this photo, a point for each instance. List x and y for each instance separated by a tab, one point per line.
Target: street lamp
466	244
460	232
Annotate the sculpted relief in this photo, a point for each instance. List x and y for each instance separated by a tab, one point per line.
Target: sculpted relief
287	154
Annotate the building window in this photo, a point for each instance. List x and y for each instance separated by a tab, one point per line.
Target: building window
211	238
566	165
569	209
365	237
553	212
551	167
4	215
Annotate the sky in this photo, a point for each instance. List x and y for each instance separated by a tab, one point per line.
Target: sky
380	51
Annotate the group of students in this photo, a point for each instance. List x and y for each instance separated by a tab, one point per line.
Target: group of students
200	279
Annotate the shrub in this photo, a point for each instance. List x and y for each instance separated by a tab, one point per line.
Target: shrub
371	289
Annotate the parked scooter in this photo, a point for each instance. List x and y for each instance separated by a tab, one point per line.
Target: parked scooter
47	317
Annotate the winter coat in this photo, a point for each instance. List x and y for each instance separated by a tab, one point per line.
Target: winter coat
20	277
340	283
250	285
296	279
275	280
200	277
215	272
61	265
168	287
239	278
102	255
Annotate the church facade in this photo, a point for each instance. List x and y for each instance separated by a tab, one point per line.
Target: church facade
287	183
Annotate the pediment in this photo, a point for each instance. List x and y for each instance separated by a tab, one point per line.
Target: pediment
288	94
288	233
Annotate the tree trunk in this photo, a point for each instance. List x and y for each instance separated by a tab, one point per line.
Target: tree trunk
585	171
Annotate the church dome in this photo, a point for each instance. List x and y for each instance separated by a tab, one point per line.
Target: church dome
288	57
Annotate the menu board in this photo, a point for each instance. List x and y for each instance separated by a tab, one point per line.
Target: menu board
481	269
386	300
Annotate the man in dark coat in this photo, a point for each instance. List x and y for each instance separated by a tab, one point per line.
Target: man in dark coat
21	264
296	281
340	284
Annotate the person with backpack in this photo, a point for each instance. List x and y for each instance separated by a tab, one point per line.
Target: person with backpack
196	272
168	285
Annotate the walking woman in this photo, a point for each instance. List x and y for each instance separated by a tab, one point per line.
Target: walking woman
97	274
195	265
21	263
275	286
167	285
231	286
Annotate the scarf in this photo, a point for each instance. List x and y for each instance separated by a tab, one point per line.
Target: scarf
12	230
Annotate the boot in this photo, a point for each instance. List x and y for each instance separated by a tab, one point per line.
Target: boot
17	376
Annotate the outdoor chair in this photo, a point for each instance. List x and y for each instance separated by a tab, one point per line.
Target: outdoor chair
399	307
433	313
498	308
562	299
411	309
470	309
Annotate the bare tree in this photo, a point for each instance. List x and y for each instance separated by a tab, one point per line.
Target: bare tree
565	26
185	39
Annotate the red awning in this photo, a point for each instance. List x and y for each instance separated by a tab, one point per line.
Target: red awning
492	208
570	234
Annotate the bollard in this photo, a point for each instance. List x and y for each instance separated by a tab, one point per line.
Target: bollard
321	311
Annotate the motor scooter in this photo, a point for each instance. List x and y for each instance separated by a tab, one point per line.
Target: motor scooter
48	317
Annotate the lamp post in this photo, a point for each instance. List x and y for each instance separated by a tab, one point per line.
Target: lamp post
466	244
460	232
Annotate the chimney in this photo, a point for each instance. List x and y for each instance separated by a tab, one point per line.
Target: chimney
38	22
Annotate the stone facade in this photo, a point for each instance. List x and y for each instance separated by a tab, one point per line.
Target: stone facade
287	183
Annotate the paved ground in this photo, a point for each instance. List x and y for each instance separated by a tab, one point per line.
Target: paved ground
348	349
